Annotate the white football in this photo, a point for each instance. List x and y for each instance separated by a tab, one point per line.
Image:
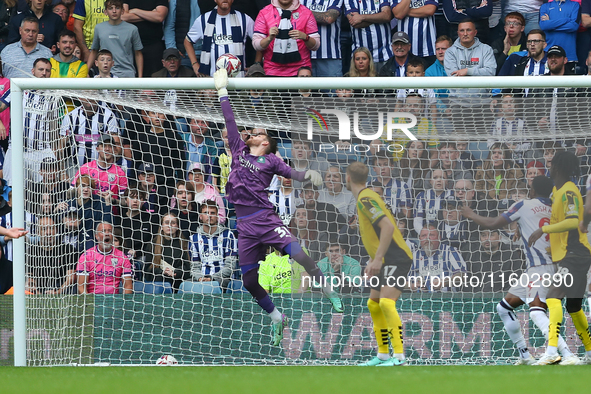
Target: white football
230	62
167	360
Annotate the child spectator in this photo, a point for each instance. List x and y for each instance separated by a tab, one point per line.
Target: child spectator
89	207
416	68
126	48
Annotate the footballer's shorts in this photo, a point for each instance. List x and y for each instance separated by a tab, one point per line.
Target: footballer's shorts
394	273
534	282
258	231
571	275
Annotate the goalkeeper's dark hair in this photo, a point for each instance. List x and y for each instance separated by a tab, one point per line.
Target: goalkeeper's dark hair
566	164
542	186
272	148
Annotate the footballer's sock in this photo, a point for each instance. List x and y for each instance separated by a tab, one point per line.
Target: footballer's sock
380	328
540	319
582	326
388	308
555	312
251	283
513	328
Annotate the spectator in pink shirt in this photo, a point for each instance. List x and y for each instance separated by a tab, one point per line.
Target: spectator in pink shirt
102	268
110	179
286	32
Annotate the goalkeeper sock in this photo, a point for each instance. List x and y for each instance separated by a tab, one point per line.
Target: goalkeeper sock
555	311
380	328
251	283
513	328
388	307
540	319
582	326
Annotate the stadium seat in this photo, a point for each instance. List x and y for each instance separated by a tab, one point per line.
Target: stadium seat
152	288
200	287
236	286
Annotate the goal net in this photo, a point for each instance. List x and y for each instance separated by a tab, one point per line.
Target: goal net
144	168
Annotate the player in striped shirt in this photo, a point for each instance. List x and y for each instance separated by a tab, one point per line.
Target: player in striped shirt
529	215
326	60
222	31
370	27
415	18
213	249
101	269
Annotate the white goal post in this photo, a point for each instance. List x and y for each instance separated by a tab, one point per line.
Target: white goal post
19	85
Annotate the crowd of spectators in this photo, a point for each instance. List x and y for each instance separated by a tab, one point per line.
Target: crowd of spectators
139	195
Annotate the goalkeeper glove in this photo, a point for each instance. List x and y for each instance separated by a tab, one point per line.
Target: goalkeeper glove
220	79
314	177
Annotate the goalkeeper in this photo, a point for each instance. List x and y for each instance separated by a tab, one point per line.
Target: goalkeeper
390	262
254	164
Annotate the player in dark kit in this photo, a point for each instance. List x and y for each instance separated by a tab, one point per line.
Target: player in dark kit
254	163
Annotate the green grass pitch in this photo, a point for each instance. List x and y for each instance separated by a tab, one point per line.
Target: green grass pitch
300	380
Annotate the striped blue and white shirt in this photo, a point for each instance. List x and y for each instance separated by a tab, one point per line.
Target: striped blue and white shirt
86	132
427	206
530	215
211	251
41	119
397	195
222	36
421	31
330	35
285	205
445	262
376	37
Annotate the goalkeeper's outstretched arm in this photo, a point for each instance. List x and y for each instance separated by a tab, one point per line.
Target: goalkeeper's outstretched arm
220	79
